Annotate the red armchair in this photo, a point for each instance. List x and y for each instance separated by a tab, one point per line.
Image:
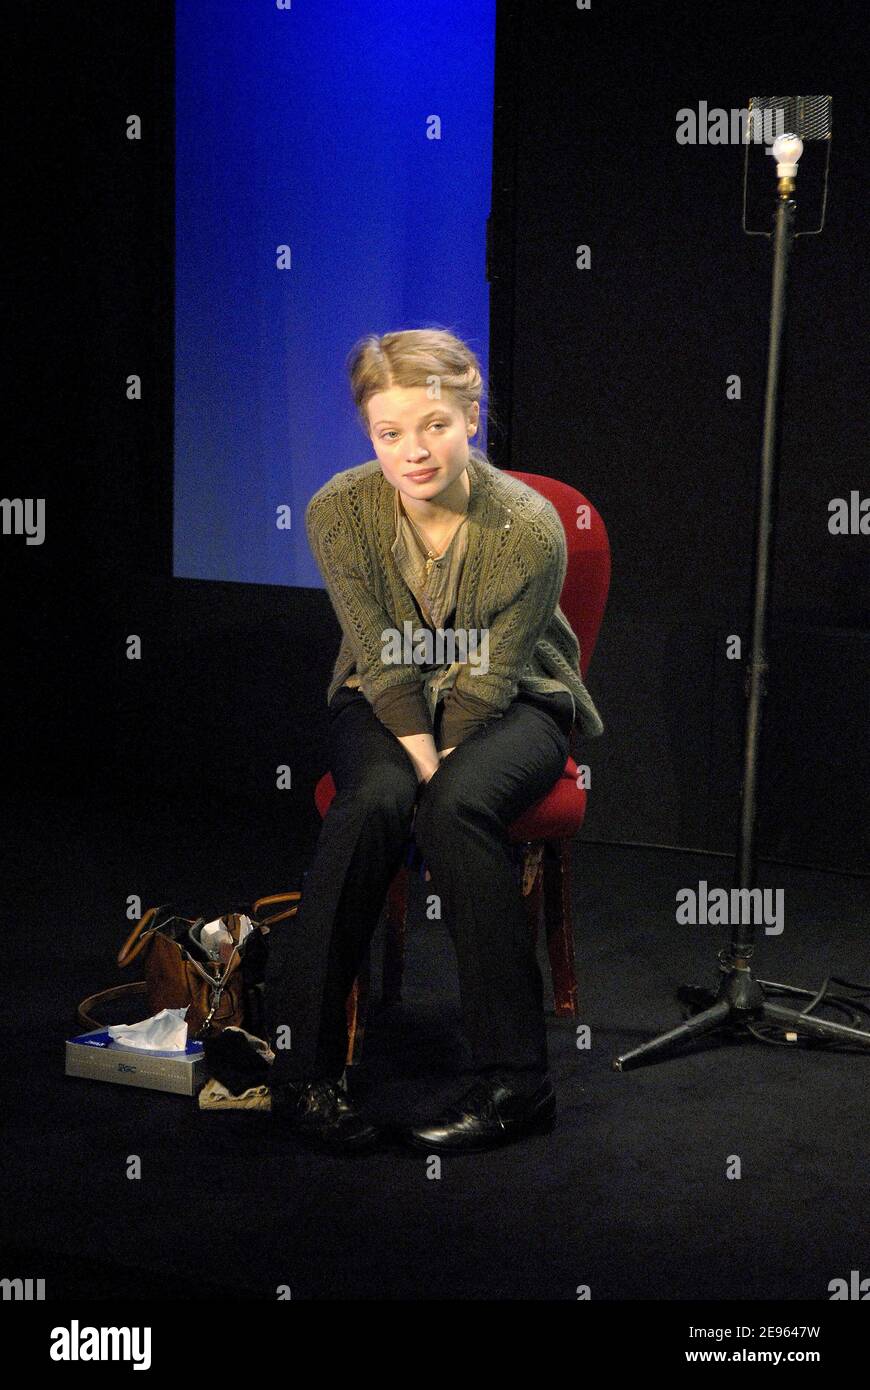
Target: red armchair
542	834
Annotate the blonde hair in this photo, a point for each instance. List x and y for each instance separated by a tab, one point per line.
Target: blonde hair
415	357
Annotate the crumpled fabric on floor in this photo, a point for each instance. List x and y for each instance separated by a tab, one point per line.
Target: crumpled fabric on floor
214	1096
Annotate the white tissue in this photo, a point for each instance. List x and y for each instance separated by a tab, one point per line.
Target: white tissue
214	933
163	1032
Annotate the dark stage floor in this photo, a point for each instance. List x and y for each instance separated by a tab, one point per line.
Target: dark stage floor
630	1195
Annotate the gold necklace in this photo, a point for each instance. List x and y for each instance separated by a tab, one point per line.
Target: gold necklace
431	557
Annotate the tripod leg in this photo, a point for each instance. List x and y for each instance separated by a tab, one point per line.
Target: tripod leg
702	1023
808	1023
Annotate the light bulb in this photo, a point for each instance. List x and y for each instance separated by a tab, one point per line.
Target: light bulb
787	150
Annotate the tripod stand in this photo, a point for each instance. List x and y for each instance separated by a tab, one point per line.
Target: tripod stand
740	1003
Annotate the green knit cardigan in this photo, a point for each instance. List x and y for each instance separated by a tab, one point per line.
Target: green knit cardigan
511	583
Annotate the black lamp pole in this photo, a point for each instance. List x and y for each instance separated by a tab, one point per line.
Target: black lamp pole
740	1000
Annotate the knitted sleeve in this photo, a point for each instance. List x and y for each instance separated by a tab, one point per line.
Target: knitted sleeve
364	620
403	709
514	632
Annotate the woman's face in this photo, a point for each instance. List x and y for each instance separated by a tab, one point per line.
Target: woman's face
411	433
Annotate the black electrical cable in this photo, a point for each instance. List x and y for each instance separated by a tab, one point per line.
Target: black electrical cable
853	1008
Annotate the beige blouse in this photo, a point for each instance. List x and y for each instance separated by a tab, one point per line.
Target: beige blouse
410	709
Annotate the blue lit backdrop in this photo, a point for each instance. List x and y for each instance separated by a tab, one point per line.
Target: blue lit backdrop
307	127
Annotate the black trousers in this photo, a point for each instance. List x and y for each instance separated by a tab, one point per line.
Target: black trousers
460	826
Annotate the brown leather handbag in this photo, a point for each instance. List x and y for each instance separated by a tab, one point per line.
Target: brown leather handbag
218	992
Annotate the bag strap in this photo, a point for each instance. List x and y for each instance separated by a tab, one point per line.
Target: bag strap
135	942
278	898
104	995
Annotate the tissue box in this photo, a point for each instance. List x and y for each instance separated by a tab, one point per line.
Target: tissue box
100	1058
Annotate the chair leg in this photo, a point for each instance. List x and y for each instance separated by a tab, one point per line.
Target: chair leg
560	935
532	887
394	941
357	1010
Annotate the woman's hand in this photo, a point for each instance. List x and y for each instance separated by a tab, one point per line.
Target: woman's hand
445	752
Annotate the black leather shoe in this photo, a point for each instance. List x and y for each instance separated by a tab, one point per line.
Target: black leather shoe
493	1111
320	1114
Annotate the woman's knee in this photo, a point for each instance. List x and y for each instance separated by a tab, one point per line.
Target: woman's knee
445	800
386	790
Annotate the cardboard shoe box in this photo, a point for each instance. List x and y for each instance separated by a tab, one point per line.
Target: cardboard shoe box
100	1058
